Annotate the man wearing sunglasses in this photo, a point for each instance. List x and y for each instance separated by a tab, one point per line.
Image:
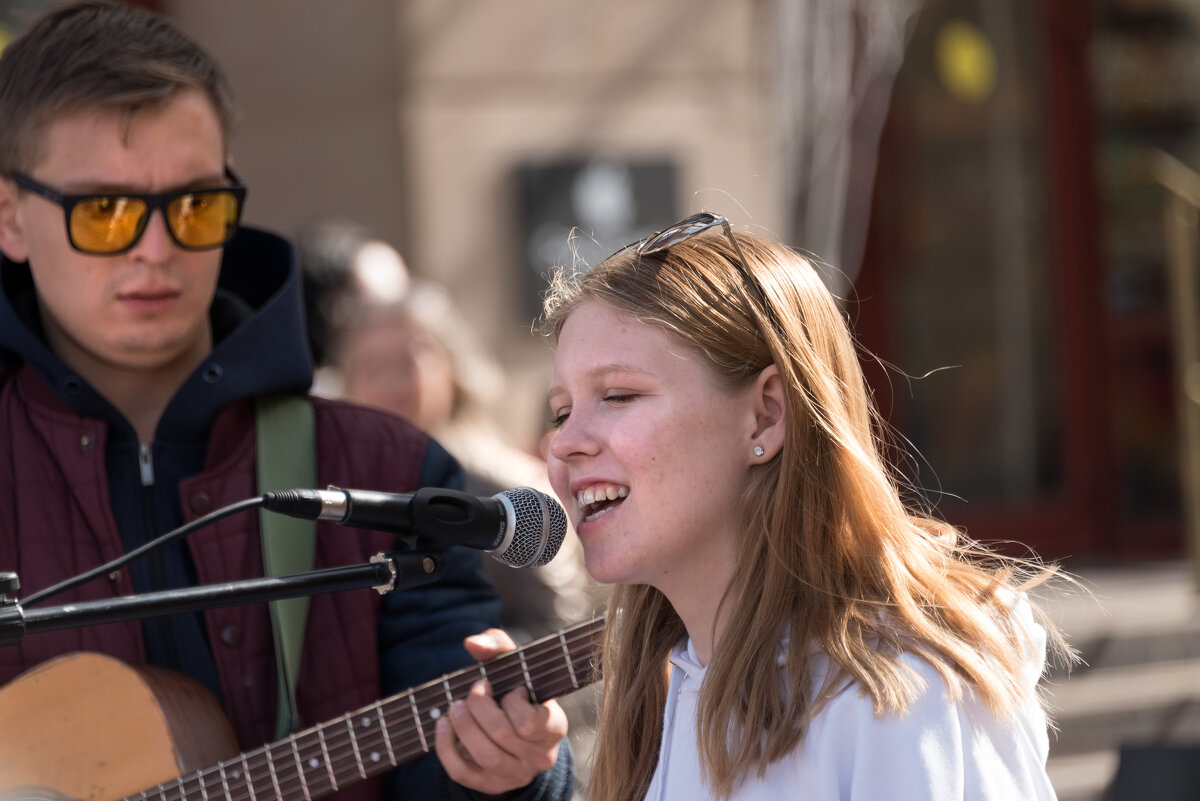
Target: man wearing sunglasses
138	324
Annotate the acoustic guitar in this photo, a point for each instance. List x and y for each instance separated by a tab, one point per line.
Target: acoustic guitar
89	727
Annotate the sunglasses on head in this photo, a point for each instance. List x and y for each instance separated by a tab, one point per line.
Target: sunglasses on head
108	223
689	227
683	230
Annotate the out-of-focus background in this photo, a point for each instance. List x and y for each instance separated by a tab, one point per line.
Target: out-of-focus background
1004	189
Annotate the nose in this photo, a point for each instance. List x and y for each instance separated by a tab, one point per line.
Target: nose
572	439
155	244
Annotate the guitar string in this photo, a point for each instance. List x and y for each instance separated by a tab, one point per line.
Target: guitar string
338	756
347	768
289	780
431	696
344	761
344	769
372	741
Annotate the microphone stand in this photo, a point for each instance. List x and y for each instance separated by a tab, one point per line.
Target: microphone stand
385	572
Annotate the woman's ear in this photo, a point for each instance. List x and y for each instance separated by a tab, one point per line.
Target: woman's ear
770	414
12	231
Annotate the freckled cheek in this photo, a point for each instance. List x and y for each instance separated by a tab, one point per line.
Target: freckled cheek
664	446
634	444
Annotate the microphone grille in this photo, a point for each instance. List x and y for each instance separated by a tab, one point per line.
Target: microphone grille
539	528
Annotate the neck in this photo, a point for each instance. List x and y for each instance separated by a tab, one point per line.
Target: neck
141	399
141	394
699	607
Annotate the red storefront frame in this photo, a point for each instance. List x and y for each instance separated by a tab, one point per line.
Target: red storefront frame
1080	517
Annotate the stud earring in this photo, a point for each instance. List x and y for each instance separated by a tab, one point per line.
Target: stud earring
758	450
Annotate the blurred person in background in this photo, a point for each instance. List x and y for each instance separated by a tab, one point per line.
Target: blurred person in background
399	344
342	263
416	356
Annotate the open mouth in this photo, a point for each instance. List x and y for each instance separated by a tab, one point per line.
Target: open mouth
599	501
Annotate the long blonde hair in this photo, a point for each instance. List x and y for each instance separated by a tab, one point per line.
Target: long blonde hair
831	554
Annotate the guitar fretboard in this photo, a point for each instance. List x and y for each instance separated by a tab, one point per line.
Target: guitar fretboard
320	760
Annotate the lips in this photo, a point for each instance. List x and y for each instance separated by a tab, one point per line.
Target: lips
148	293
148	300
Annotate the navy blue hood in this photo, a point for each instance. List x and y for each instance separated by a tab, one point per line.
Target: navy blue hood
260	339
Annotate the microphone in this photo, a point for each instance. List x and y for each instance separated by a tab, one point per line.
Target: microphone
521	527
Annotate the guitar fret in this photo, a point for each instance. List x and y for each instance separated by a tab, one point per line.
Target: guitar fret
224	779
271	771
249	780
362	771
528	680
449	695
299	767
203	786
325	752
417	721
567	654
483	672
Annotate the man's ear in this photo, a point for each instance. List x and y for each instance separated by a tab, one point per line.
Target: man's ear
770	413
12	227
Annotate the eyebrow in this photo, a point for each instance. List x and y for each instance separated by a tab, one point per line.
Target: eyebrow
99	188
601	370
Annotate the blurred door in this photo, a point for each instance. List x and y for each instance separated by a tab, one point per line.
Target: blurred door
988	281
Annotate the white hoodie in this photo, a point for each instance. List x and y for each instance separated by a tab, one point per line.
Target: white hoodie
938	751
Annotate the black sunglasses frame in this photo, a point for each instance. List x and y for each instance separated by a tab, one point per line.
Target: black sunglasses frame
154	201
684	230
696	224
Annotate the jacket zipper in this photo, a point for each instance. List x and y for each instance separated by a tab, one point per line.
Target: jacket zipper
157	569
146	465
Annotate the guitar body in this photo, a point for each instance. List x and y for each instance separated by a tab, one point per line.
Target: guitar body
90	727
87	726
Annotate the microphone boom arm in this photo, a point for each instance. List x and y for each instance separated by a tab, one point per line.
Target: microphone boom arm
385	573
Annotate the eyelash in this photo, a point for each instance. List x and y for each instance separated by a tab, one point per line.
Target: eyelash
557	421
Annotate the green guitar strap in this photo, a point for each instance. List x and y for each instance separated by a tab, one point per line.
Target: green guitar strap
287	459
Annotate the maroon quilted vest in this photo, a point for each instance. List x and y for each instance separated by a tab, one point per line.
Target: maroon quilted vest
55	522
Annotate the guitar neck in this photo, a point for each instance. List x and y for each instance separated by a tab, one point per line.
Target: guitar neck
363	743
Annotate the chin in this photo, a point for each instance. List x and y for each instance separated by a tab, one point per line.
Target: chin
607	570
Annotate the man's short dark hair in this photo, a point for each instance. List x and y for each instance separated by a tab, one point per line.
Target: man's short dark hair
96	55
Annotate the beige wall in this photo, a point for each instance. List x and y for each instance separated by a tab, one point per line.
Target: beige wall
412	116
315	82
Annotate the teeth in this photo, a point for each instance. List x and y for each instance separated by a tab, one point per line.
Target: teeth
595	515
610	493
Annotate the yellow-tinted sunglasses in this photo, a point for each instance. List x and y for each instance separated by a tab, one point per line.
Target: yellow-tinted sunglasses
107	223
